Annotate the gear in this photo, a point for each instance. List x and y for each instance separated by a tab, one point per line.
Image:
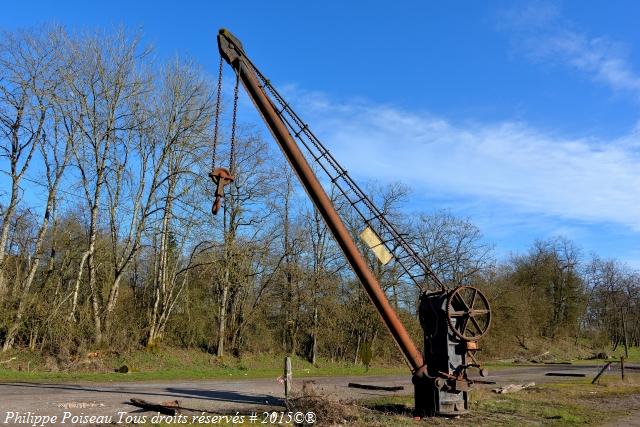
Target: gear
468	313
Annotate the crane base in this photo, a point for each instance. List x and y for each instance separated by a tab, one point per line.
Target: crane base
444	352
431	402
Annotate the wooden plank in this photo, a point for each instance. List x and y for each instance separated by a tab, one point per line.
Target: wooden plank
166	410
482	381
565	374
375	387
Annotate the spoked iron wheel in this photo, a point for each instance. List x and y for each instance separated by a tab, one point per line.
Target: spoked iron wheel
468	313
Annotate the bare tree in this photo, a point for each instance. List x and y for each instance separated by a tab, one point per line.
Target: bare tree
452	247
325	263
54	144
244	216
184	113
613	300
56	152
25	73
105	85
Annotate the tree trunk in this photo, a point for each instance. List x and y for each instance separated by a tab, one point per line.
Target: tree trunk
33	267
624	335
162	274
222	316
91	264
153	322
111	303
314	343
4	233
76	288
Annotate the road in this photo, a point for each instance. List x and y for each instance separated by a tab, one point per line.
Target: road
109	399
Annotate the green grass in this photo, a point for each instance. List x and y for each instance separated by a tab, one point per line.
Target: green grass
634	357
634	354
563	351
525	407
567	403
172	364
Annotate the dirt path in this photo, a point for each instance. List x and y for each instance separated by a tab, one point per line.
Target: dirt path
632	420
109	399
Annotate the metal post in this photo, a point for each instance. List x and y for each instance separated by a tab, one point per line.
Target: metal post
287	377
624	335
600	373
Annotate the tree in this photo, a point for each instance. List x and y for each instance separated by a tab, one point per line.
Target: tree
323	266
26	82
613	302
452	247
105	87
244	215
544	291
185	100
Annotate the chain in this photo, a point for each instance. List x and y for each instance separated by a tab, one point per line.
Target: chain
216	117
232	153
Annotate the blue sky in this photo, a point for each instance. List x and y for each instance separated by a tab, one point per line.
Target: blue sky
522	116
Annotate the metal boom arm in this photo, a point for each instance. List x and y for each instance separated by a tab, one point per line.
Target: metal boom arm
232	51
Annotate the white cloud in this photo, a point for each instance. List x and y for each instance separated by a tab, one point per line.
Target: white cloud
601	58
530	16
539	30
508	163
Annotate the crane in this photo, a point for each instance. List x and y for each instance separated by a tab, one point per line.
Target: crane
453	319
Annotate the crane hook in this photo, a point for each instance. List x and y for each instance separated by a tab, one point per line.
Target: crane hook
220	177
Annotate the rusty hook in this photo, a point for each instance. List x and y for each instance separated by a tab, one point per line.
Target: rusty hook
220	177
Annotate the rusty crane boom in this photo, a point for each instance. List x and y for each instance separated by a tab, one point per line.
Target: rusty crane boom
452	319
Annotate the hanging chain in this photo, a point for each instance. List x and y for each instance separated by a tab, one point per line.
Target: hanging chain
216	123
232	153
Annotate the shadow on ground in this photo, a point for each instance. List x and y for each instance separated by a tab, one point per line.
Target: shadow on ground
184	393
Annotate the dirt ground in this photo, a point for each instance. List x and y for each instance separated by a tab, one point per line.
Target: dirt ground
112	399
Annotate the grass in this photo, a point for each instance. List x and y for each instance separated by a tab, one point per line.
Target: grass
578	352
566	403
569	403
634	356
173	364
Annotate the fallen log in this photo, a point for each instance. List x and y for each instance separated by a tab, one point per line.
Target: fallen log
375	387
482	381
565	374
512	388
149	406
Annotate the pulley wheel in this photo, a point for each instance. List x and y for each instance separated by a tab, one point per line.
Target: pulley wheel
468	313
